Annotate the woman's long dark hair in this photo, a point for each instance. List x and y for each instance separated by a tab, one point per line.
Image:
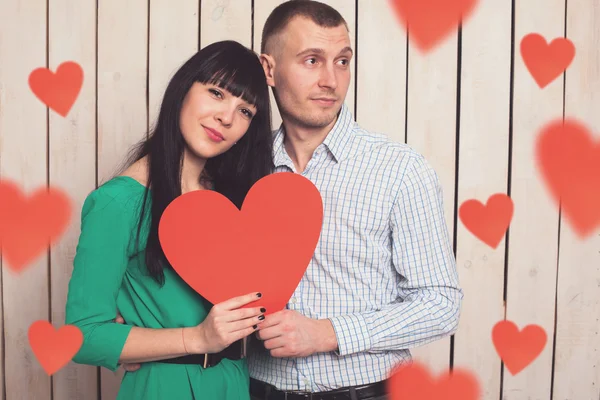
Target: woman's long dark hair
232	67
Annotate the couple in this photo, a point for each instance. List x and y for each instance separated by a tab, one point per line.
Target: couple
383	276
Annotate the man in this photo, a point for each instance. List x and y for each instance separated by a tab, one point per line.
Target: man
383	277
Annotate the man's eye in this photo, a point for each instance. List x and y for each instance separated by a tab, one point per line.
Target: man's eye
312	59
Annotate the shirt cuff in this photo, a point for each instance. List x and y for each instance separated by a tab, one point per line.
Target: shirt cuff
103	346
352	334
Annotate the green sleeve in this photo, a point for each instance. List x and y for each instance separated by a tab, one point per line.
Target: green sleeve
99	265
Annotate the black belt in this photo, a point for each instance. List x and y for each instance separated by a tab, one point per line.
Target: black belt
234	351
265	391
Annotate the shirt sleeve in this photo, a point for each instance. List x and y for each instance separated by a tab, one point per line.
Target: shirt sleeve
428	305
99	265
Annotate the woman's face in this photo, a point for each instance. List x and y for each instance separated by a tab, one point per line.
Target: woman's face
212	119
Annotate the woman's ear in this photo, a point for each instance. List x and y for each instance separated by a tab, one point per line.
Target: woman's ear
268	64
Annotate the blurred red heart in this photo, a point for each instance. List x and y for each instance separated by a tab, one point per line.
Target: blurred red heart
431	21
414	382
54	348
569	160
546	61
518	349
57	90
29	226
222	252
488	222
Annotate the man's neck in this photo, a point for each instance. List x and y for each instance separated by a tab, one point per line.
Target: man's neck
300	143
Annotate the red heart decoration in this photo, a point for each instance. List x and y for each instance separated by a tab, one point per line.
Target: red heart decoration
414	382
58	91
28	226
430	21
54	348
518	349
490	222
222	252
545	61
569	161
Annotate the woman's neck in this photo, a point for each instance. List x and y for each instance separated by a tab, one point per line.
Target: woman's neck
190	173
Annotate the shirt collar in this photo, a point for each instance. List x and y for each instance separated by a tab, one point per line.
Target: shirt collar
338	140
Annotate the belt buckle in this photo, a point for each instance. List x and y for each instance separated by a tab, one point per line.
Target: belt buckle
205	359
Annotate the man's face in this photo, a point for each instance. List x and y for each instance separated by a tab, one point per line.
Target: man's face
312	72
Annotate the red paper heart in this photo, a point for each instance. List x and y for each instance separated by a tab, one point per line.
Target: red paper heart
222	252
414	382
545	61
431	21
569	161
54	348
28	226
490	222
518	349
58	91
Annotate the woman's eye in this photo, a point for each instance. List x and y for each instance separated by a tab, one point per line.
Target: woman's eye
248	113
216	93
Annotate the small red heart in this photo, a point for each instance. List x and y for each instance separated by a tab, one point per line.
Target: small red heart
414	382
28	226
222	252
490	222
54	348
58	91
430	21
545	61
569	161
518	349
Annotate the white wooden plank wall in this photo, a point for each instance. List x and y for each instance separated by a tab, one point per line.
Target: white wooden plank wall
72	165
578	314
483	171
169	48
129	52
23	137
531	283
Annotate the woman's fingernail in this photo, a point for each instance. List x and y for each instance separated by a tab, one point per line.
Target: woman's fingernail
255	326
259	295
261	317
263	309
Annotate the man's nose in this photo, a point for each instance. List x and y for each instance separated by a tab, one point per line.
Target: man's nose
328	78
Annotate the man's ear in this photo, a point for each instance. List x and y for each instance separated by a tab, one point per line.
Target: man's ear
268	64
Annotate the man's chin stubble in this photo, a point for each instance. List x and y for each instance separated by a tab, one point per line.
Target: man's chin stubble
306	122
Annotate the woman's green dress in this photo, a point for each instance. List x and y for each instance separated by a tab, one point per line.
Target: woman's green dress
107	277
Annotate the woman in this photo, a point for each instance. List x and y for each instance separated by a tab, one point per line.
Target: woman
213	132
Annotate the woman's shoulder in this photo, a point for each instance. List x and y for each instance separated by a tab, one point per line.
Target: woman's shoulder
121	187
119	195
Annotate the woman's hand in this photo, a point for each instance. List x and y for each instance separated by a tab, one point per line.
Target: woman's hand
225	324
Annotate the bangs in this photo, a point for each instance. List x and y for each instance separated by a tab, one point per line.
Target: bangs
239	81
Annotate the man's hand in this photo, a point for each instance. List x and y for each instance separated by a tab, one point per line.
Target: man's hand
127	367
288	333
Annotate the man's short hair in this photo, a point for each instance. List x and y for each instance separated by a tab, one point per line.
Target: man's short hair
321	14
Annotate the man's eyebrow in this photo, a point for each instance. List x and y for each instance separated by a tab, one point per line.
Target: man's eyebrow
310	51
347	49
321	51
